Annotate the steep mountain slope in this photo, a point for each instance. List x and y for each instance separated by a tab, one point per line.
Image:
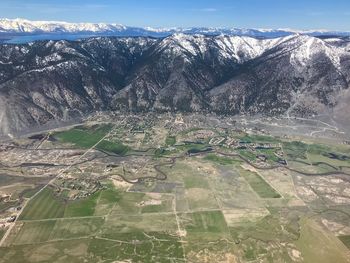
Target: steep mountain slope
56	80
301	75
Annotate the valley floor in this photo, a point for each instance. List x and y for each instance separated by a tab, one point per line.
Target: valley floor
173	188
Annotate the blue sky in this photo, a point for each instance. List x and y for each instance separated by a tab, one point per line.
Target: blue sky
298	14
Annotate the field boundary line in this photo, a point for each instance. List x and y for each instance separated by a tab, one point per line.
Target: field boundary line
2	241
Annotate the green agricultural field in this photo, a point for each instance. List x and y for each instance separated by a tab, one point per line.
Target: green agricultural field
30	192
221	160
46	205
195	181
109	196
316	158
113	147
43	206
83	136
73	251
247	155
170	140
106	201
206	223
86	137
154	208
84	207
259	185
75	228
138	223
295	150
270	154
201	199
174	205
128	203
2	232
34	232
318	245
345	240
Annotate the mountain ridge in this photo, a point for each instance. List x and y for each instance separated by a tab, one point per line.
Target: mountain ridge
26	27
296	75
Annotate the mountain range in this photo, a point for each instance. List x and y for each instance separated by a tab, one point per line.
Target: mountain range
296	75
26	27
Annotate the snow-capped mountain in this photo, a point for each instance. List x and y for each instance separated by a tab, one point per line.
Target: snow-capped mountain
32	27
296	75
27	27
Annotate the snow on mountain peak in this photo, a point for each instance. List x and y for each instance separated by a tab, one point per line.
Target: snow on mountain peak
19	25
24	26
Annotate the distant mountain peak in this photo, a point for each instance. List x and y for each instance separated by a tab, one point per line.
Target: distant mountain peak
25	26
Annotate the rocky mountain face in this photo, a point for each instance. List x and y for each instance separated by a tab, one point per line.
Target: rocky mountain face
294	75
